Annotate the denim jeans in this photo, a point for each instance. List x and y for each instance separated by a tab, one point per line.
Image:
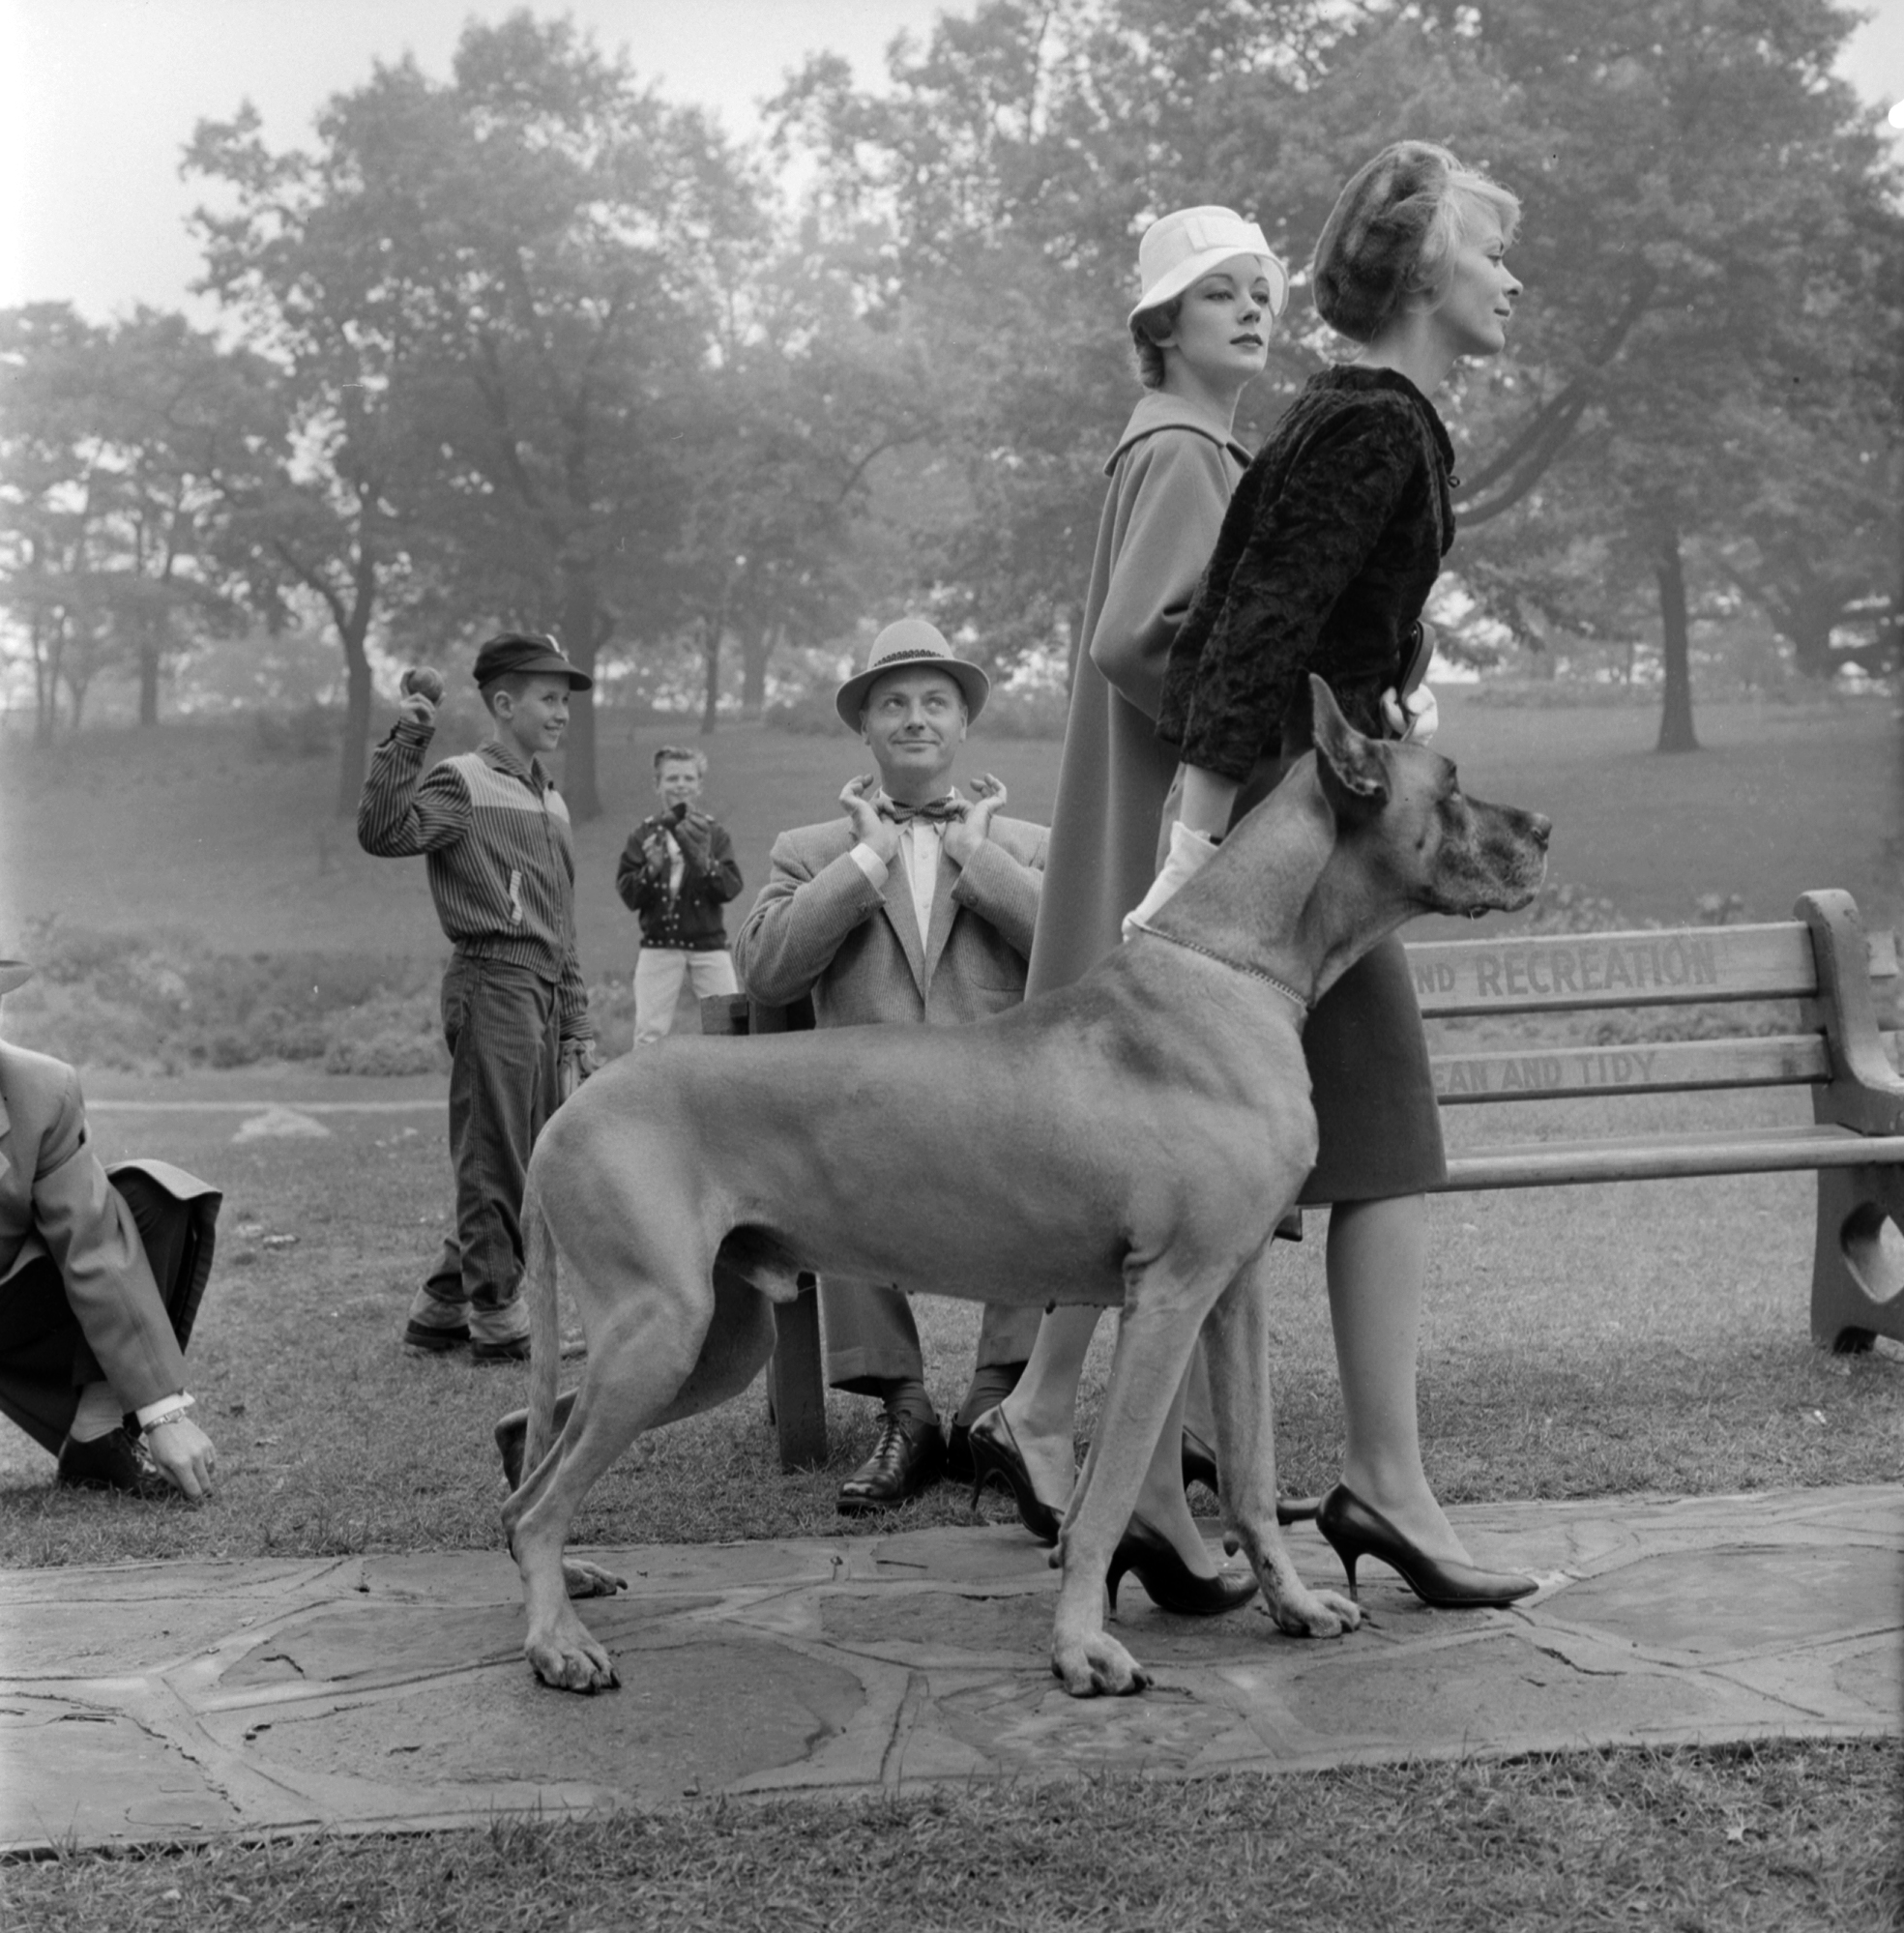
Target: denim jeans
504	1038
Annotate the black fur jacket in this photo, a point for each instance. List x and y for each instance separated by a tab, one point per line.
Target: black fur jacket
1327	554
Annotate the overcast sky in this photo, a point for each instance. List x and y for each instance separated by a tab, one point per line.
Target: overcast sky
97	98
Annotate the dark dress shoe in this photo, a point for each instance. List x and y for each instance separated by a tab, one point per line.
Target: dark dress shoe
513	1436
1359	1530
909	1455
118	1460
995	1453
1170	1584
1200	1467
958	1453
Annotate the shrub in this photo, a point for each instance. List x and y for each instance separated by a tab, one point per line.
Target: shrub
311	731
151	1004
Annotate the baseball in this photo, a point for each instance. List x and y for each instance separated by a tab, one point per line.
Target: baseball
424	678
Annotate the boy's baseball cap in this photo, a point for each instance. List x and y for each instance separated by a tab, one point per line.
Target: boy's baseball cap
535	652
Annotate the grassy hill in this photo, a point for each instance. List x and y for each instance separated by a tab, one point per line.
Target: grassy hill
196	830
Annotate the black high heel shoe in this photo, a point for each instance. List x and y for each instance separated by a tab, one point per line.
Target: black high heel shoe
1200	1467
1355	1530
995	1452
1170	1584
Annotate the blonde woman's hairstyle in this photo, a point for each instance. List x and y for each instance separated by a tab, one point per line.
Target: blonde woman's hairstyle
1393	234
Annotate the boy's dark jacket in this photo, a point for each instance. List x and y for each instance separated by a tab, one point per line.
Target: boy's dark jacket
710	877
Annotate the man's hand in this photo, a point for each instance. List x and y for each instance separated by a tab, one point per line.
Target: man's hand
577	1060
183	1451
418	708
965	834
869	827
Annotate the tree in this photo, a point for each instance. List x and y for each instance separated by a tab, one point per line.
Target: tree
316	294
125	447
803	400
1699	188
566	244
49	519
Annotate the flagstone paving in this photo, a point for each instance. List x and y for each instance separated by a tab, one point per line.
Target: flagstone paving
170	1702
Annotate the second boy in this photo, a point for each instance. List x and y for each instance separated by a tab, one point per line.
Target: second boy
676	873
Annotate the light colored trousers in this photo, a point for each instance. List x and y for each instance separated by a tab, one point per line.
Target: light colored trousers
657	975
873	1340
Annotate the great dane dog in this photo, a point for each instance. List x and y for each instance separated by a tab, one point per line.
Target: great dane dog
1130	1140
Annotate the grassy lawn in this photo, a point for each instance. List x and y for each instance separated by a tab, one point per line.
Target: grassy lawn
1580	1342
1767	1839
195	826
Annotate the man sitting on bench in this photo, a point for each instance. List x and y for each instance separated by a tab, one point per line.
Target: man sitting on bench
916	908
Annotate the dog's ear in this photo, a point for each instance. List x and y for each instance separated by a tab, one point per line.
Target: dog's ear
1349	765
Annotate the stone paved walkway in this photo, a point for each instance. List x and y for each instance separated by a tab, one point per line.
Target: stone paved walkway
173	1701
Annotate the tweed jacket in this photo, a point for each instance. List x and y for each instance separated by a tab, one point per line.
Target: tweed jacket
55	1201
820	927
1327	554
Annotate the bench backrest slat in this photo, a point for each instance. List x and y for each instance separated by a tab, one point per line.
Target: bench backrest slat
1564	972
1642	1066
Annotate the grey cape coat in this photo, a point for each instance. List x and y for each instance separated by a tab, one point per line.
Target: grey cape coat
1171	479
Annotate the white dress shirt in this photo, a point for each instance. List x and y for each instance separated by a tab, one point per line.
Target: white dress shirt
921	849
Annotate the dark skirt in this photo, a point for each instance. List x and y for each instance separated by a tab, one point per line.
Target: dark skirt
1378	1124
1376	1121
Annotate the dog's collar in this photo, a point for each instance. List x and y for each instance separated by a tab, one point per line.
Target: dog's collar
1282	987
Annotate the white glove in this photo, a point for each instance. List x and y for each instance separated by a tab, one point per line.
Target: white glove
1189	853
1415	718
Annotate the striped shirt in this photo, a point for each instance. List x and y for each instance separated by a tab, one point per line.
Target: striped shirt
500	864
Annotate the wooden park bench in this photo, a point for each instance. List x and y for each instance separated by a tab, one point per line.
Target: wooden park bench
1822	961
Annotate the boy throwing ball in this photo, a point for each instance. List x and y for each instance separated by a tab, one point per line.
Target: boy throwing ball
676	873
502	872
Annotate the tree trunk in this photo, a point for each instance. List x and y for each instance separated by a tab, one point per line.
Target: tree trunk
1675	629
580	631
45	683
355	756
711	631
148	681
754	655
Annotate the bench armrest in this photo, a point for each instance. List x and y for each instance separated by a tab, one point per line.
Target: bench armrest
1865	1092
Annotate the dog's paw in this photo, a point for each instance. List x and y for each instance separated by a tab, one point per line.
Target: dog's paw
1302	1613
1098	1668
581	1579
570	1661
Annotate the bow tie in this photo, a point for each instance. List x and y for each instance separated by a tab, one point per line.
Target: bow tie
934	810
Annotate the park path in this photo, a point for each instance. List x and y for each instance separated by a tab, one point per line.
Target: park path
173	1702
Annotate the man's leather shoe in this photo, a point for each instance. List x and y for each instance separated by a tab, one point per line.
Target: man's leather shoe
909	1455
118	1460
958	1453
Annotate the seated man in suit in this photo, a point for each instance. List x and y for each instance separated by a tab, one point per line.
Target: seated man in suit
100	1280
915	909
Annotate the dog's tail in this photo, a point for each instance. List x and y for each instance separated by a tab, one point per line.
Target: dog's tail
540	1274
